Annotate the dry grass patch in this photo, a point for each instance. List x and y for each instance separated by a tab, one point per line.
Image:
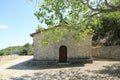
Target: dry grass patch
5	59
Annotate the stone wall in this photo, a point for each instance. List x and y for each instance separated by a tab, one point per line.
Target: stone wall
109	52
75	50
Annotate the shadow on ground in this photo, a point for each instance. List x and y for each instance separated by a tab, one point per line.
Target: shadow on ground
113	70
57	76
30	65
61	74
110	72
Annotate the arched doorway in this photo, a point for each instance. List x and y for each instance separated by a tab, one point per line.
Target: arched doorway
63	54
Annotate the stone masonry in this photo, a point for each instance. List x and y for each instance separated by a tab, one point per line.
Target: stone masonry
76	51
109	52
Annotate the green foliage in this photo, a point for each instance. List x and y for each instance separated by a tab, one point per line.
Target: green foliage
57	12
74	15
9	50
19	49
53	35
108	26
67	14
39	29
27	49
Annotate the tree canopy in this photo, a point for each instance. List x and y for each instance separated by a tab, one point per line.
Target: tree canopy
72	12
108	29
79	15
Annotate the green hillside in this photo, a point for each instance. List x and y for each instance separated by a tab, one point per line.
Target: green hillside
26	49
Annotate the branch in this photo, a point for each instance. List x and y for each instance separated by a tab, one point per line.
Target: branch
111	9
91	16
107	4
94	9
88	18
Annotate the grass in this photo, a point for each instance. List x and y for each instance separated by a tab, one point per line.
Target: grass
5	59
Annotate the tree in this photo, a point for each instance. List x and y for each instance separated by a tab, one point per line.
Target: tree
27	49
74	14
50	11
103	5
10	50
108	29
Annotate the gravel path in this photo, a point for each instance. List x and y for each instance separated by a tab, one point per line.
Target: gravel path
98	70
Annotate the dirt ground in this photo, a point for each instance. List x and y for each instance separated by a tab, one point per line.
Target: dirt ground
19	69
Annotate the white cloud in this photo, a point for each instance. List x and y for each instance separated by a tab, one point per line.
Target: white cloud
3	27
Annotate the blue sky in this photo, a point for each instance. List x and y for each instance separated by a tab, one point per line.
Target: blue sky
17	22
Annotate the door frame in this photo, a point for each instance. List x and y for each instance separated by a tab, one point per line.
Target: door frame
61	56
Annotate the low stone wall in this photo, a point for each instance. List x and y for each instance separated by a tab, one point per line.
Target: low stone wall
109	52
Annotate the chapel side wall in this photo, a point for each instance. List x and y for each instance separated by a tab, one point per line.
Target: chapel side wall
81	49
43	53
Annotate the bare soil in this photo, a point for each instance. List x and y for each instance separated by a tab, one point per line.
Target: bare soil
100	69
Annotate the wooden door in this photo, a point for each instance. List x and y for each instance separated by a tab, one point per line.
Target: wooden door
63	54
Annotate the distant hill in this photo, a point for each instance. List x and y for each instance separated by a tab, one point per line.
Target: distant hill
26	49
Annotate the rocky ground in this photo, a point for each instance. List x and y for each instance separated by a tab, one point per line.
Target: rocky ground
100	69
